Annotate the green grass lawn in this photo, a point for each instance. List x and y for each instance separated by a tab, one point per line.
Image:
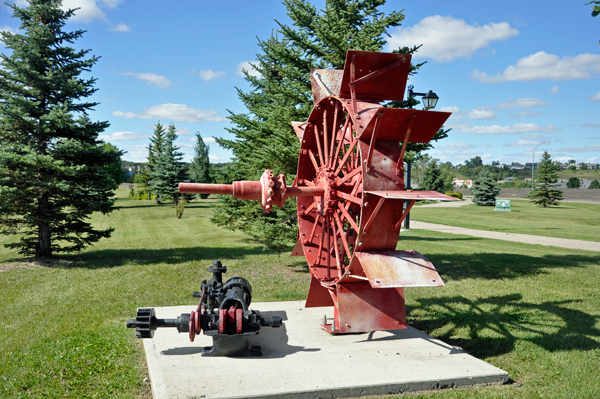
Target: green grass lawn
530	310
569	220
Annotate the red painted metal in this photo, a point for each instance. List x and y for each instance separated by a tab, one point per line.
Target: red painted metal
350	189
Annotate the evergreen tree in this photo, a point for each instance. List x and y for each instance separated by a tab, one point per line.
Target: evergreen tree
594	184
484	190
169	170
200	166
157	142
435	178
545	194
53	171
573	182
282	93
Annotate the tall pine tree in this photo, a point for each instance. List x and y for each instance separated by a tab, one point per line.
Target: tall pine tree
200	166
282	93
545	193
52	165
169	169
143	178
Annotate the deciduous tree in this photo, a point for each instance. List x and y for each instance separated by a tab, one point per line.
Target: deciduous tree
573	182
53	172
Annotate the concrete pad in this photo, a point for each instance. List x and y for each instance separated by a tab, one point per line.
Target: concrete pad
300	360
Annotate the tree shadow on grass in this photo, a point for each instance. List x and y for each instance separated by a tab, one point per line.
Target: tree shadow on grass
107	258
493	265
491	326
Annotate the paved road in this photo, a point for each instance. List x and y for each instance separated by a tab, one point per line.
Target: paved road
523	238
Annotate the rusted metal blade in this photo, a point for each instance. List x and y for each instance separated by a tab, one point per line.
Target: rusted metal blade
394	123
413	195
299	128
298	250
387	269
388	75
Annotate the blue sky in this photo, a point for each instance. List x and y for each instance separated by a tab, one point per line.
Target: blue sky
514	73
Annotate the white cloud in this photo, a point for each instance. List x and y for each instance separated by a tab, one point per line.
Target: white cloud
456	146
247	65
544	66
523	103
528	114
589	124
445	39
522	143
215	158
484	114
554	90
535	137
514	129
480	113
450	109
151	79
175	112
205	139
118	136
209	74
120	28
588	148
110	3
88	10
596	97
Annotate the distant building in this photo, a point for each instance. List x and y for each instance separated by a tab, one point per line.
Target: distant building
462	182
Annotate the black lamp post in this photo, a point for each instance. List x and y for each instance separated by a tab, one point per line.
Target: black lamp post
430	100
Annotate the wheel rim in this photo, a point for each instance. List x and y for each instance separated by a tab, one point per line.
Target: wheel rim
330	157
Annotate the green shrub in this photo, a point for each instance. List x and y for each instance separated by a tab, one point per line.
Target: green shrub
454	194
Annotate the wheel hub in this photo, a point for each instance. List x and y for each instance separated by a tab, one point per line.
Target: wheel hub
327	203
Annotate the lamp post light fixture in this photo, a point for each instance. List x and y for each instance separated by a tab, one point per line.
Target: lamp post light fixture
430	99
533	162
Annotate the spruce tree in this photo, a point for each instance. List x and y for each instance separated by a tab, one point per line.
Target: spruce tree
200	166
432	177
169	170
282	93
484	189
157	142
53	171
545	194
143	178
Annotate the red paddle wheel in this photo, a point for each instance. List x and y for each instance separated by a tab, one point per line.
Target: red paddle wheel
350	189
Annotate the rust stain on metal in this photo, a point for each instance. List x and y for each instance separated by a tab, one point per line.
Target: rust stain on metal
399	269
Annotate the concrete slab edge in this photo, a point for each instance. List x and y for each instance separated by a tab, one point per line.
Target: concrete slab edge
156	381
385	389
